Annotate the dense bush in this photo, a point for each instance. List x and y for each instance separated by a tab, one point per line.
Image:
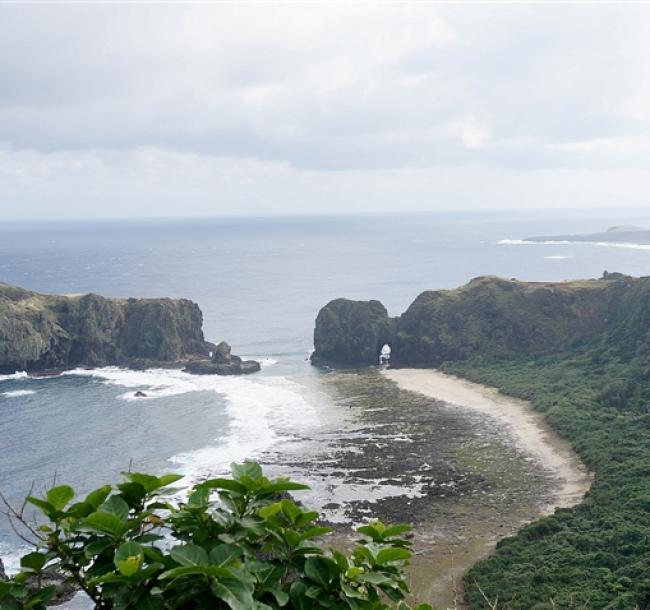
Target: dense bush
238	543
596	555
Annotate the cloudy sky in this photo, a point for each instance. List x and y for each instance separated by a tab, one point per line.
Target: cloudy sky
116	110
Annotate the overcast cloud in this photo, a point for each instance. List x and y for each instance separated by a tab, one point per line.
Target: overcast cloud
176	109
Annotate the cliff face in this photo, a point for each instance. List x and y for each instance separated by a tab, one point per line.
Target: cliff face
491	317
39	332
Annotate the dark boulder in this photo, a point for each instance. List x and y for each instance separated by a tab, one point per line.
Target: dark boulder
140	394
222	353
223	362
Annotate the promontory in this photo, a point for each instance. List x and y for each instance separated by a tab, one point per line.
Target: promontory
46	332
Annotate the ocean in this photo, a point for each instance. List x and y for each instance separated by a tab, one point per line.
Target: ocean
260	283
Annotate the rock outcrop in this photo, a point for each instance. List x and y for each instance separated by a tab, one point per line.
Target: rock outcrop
489	317
223	362
41	332
351	332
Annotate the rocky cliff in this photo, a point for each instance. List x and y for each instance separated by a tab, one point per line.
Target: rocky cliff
351	332
41	332
489	317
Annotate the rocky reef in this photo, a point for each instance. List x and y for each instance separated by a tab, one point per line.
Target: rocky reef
222	362
42	332
489	317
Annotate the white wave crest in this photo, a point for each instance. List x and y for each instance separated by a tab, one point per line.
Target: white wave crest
557	257
11	554
607	244
16	375
262	412
16	393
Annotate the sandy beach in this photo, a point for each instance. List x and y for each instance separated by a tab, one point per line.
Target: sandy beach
527	427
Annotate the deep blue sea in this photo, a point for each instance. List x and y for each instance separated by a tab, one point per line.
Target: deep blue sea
260	283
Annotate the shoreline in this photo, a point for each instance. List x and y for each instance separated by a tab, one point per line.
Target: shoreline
528	428
435	580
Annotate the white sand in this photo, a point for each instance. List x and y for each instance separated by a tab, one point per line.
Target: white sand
528	428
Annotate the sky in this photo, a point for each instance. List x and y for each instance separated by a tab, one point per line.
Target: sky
164	110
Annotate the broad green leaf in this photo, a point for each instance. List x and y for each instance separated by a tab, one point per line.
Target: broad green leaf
281	597
341	560
128	558
33	561
314	532
224	553
59	496
392	554
148	482
116	506
80	509
290	509
211	571
169	479
247	469
97	497
228	484
280	485
266	512
46	507
106	523
189	555
199	498
318	569
299	599
396	530
371	532
236	593
133	493
306	518
129	566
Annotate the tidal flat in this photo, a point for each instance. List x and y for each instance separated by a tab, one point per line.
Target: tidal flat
461	476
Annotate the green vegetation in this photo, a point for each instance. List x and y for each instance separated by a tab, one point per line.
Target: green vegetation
238	543
595	555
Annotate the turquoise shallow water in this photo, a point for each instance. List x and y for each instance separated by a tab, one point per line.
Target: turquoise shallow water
260	283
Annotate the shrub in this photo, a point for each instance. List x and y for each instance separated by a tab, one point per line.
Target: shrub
239	543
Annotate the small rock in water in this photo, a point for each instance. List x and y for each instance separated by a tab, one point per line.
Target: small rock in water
140	394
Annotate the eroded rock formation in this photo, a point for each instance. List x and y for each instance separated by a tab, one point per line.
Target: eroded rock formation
489	317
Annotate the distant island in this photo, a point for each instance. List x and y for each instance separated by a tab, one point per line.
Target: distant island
620	234
51	333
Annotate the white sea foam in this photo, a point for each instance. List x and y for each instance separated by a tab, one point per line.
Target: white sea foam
264	362
261	411
286	424
11	554
557	257
16	375
607	244
16	393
